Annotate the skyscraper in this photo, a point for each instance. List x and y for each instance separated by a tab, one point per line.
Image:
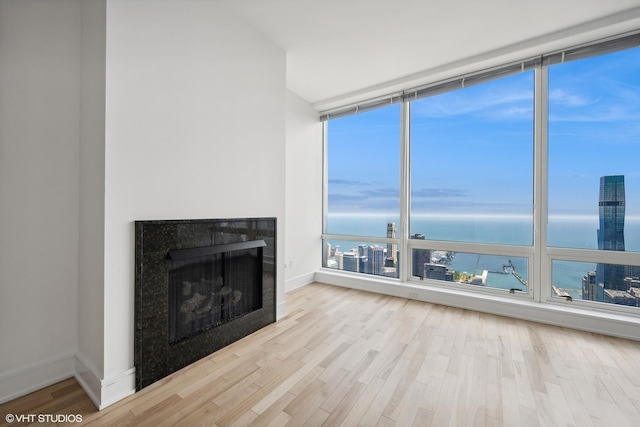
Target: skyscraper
326	254
591	290
392	247
350	261
363	264
375	257
611	231
419	258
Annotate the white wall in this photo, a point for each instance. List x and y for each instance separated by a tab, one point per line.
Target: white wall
303	193
39	191
91	226
110	112
195	128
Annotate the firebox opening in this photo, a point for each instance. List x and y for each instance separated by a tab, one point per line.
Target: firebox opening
213	285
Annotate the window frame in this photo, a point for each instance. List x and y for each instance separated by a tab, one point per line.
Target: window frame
555	253
539	255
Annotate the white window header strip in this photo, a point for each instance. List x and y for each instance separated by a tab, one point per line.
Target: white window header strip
600	47
368	105
459	82
472	79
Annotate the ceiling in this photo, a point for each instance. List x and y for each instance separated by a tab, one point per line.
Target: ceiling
341	51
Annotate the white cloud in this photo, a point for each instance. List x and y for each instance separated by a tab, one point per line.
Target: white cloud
566	99
604	115
515	113
487	100
460	103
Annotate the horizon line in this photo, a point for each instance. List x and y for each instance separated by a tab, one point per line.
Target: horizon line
484	216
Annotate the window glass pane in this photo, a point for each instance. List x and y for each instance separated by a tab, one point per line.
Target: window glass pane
362	257
472	163
493	271
607	283
363	156
594	141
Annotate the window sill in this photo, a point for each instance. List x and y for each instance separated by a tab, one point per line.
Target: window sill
559	314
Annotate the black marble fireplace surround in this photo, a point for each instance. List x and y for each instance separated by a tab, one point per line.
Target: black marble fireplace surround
200	285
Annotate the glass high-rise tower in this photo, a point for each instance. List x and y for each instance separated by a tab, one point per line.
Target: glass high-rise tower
392	248
611	231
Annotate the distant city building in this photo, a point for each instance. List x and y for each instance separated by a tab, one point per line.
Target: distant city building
392	248
611	206
632	283
327	254
480	280
635	292
419	258
350	261
362	251
376	257
632	271
363	256
390	272
437	272
362	263
591	289
612	296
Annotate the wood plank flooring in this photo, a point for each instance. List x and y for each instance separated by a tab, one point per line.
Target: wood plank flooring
344	357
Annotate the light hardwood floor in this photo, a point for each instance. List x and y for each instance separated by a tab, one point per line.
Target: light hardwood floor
352	358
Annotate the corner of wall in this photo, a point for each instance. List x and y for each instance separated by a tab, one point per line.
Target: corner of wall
281	310
31	378
299	282
107	391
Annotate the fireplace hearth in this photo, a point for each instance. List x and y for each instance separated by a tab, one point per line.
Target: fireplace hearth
200	285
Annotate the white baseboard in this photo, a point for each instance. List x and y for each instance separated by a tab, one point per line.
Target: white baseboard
617	325
102	392
299	282
23	381
291	284
89	380
281	310
107	391
117	387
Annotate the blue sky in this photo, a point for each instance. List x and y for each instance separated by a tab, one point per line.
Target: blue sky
472	149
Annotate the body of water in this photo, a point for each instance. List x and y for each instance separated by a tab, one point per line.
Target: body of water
580	233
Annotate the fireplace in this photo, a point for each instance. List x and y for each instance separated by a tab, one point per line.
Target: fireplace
200	285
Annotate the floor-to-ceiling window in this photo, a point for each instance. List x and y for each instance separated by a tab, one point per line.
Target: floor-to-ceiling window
521	180
594	177
362	191
471	179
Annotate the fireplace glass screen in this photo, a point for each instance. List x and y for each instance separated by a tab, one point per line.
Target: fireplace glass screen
213	285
